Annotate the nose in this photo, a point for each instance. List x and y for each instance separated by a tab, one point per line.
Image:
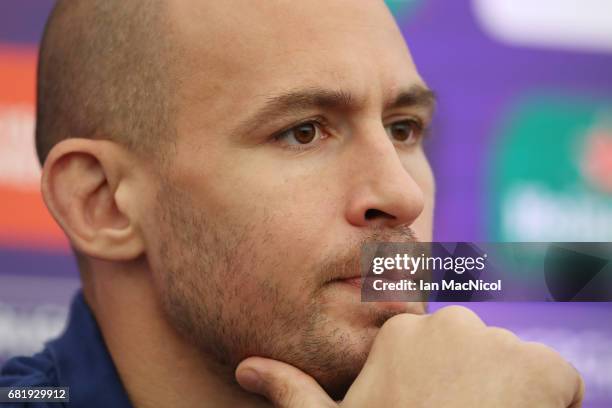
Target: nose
382	191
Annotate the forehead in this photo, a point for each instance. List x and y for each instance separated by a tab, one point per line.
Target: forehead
247	50
285	21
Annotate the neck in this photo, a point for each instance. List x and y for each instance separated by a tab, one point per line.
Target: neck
157	366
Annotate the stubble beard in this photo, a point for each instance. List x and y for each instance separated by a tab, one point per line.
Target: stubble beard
215	300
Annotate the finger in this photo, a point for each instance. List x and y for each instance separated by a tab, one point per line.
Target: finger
579	396
284	385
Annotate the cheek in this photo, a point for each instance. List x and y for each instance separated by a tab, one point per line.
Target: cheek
279	224
287	201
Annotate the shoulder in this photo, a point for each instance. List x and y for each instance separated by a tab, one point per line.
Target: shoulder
35	371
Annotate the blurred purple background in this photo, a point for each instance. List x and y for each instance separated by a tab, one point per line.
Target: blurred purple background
521	147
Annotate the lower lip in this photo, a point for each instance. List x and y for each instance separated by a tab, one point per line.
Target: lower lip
354	285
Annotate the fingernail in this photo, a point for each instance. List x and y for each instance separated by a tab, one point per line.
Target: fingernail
249	379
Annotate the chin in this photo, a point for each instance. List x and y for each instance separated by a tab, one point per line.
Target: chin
337	380
345	337
337	360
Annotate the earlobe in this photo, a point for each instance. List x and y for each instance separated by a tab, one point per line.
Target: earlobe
81	181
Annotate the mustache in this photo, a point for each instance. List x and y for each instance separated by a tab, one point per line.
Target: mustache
401	234
348	263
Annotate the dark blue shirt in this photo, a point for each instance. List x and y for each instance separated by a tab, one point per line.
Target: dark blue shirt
77	359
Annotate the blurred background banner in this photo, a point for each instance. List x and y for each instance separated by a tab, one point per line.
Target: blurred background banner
521	147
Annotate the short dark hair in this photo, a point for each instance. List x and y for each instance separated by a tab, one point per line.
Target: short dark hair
103	72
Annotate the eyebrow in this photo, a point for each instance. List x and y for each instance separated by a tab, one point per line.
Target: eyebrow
416	96
298	101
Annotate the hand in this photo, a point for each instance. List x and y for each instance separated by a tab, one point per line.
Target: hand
446	359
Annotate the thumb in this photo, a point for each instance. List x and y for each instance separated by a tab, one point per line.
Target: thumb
284	385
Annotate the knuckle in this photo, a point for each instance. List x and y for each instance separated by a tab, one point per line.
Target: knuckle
397	327
546	360
543	358
503	335
543	354
398	323
280	392
457	315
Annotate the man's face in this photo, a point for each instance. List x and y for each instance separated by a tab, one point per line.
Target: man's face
292	149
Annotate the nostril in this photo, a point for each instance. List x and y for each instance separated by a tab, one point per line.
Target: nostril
373	213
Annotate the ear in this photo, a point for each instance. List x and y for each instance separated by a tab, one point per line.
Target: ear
87	186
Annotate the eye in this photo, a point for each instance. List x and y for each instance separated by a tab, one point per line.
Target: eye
406	131
303	134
